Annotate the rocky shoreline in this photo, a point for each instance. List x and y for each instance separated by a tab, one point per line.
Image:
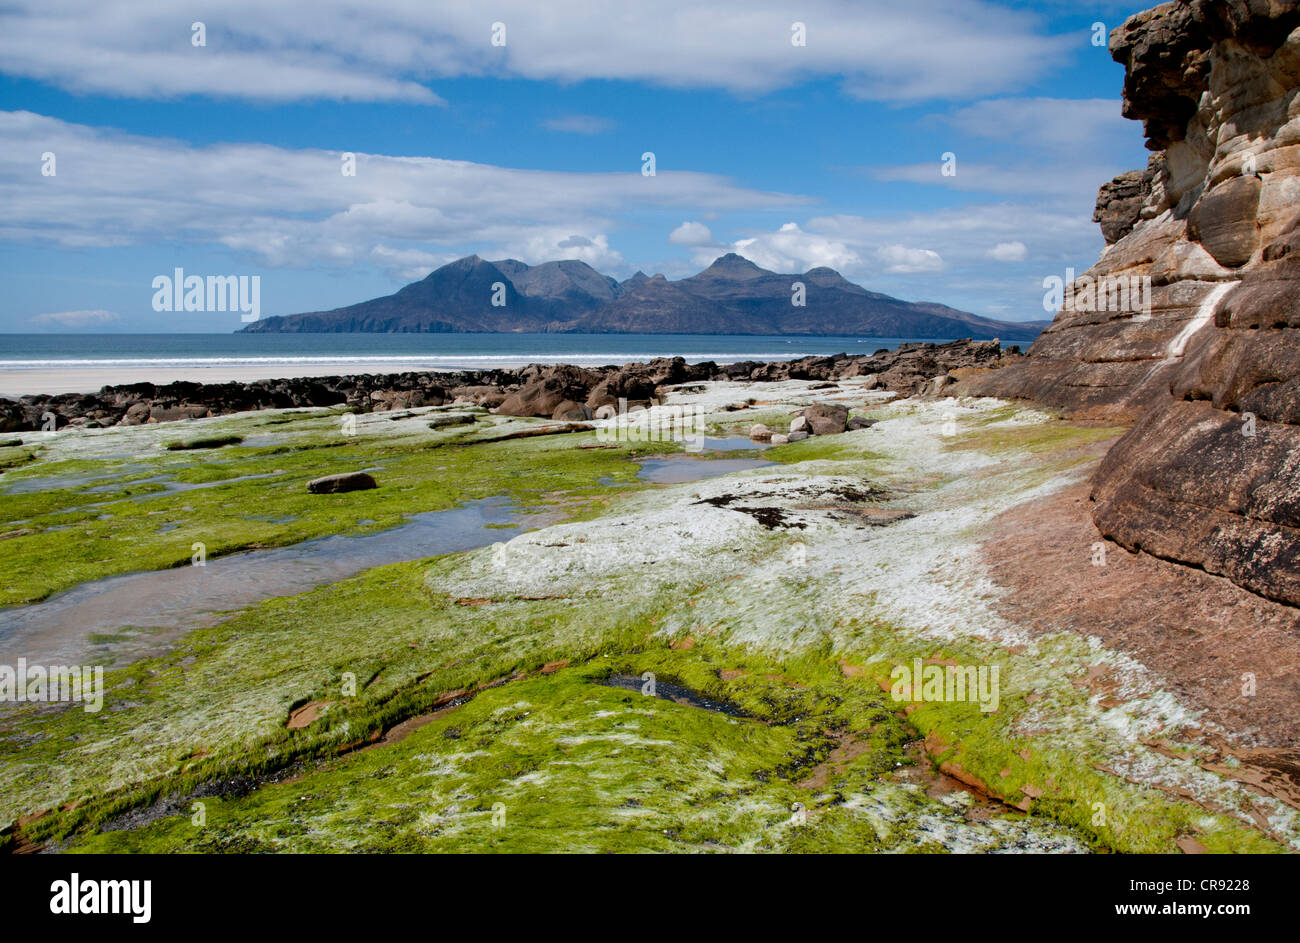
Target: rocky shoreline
559	391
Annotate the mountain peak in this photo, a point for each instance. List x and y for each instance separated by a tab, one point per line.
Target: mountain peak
733	266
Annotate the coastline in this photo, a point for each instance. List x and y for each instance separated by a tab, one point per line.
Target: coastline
778	597
58	364
50	381
543	390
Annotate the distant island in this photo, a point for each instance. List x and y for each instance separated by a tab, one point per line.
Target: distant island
731	296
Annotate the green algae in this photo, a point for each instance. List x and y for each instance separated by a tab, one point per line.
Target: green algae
1022	439
563	763
70	543
572	764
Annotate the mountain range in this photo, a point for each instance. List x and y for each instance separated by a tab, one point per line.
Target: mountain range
731	296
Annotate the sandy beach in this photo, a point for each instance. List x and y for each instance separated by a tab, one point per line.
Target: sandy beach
15	383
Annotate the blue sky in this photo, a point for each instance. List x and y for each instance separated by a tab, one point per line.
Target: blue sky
225	158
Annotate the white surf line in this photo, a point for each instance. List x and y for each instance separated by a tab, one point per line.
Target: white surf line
1204	314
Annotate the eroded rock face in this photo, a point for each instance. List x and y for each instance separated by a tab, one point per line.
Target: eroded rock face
1215	85
1119	203
1208	364
543	396
1211	475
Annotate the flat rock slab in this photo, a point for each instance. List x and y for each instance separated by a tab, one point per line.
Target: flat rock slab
337	484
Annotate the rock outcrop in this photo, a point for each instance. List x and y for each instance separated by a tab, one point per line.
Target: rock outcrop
558	391
1214	84
1207	359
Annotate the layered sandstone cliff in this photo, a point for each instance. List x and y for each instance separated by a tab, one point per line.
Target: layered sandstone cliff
1208	362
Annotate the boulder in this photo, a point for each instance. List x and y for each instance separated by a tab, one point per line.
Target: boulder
551	387
759	432
338	484
633	381
180	411
570	410
826	418
13	418
478	394
935	385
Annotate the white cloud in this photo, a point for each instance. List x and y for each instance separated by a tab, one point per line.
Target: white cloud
578	124
75	320
941	255
546	246
790	249
1054	148
962	235
388	50
408	264
1061	180
1008	252
1049	125
691	234
901	259
295	207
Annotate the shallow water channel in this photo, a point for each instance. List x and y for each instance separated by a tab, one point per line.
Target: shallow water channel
71	626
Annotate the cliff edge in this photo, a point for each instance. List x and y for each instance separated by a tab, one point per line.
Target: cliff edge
1189	323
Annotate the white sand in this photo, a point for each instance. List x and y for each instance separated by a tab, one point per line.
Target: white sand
90	379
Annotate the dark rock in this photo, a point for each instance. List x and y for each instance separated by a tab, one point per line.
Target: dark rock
552	386
338	484
1119	203
569	410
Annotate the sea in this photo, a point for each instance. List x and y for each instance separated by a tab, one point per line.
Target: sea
281	354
